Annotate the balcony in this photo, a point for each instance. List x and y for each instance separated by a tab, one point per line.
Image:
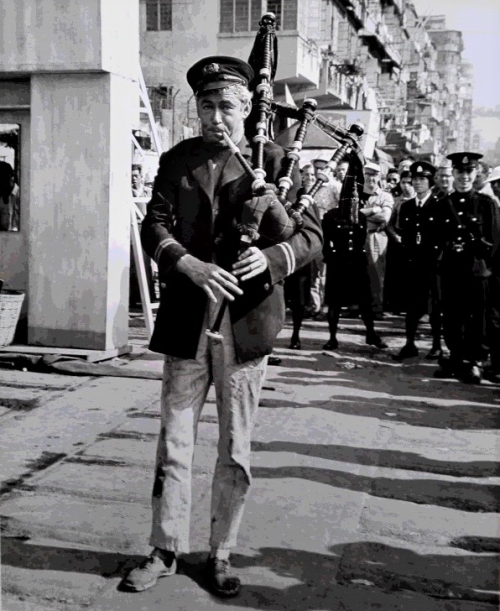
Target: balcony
379	41
432	112
355	9
298	58
335	90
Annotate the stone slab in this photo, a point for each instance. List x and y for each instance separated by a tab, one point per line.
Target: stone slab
426	524
51	571
122	527
31	379
447	573
115	481
67	421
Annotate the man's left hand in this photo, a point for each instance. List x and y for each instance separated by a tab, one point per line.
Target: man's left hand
250	263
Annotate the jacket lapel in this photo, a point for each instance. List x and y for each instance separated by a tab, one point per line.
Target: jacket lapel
233	168
201	168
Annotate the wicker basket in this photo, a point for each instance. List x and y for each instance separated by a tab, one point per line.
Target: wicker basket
10	308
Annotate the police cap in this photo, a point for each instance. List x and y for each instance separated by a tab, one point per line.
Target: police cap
422	168
218	71
464	161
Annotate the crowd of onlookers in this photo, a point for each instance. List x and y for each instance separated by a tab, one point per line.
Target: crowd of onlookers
424	243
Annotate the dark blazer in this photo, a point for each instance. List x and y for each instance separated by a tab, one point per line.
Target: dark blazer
180	219
420	230
469	228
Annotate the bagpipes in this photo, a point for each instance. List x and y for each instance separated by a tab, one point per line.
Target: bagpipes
285	218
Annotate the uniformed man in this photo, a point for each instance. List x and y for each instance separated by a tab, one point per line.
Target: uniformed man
417	227
469	226
191	229
347	260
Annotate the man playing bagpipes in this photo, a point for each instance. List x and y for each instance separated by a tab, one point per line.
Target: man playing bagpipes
194	229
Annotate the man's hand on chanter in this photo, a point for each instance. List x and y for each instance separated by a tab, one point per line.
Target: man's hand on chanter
250	263
210	277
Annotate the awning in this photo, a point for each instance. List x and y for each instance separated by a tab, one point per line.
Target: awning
384	160
315	138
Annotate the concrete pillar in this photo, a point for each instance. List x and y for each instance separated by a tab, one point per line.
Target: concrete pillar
79	210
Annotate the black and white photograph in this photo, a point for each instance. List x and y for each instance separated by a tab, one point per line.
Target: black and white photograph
249	305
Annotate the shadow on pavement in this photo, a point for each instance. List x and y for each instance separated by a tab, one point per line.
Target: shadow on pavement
464	496
415	411
20	552
369	576
390	459
353	576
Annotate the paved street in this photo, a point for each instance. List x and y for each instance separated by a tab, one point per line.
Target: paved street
375	486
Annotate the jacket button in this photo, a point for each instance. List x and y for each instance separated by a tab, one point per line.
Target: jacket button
267	286
163	285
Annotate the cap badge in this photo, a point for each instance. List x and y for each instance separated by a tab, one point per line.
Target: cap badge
419	169
211	69
465	159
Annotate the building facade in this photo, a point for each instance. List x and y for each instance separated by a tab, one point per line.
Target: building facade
376	61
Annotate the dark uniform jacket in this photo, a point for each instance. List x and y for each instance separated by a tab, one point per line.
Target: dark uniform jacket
189	214
419	229
344	252
469	226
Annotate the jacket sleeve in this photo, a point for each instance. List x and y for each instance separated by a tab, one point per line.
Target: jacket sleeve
156	231
301	248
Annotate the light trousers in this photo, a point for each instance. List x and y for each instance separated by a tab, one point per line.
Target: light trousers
185	386
376	249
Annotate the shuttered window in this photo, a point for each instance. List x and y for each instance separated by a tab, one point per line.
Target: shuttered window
158	15
241	15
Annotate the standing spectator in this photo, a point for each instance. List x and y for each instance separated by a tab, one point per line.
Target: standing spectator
326	198
493	320
493	316
482	184
341	172
9	199
469	227
298	285
394	299
392	182
418	228
405	164
377	207
494	180
191	231
140	191
443	179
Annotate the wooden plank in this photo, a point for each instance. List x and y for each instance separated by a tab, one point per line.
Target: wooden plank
92	356
141	269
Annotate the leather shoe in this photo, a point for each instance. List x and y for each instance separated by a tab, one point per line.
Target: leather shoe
274	360
220	580
331	344
408	351
434	354
295	344
473	375
376	340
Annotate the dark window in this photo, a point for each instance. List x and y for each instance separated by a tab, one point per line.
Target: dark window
158	15
286	13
